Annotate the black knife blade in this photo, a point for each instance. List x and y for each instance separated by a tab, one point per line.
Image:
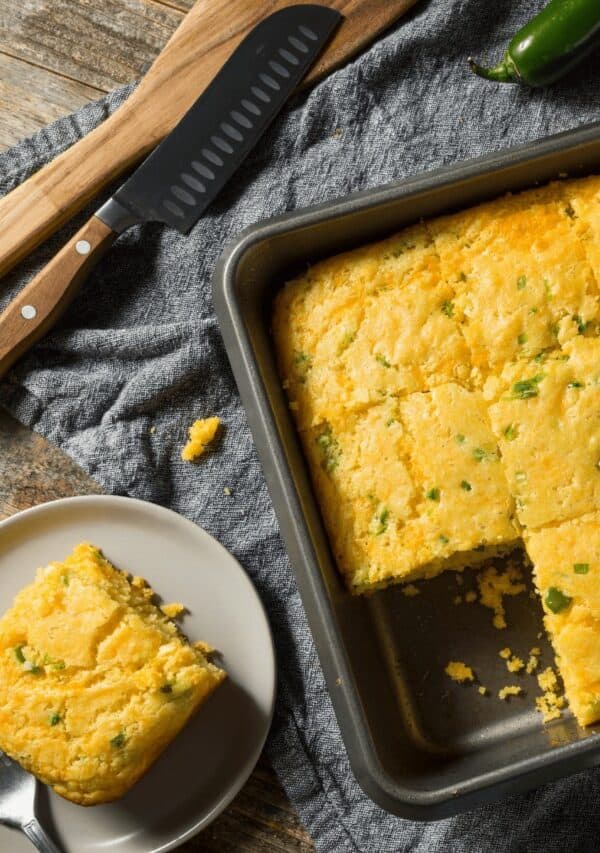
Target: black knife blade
183	175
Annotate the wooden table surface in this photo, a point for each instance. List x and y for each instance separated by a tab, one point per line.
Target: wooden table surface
55	56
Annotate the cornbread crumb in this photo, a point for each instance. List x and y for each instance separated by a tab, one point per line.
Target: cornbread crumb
458	599
509	690
203	647
483	691
410	590
548	680
227	491
95	681
551	702
494	585
471	596
459	671
515	664
152	430
535	651
505	653
201	433
173	610
532	664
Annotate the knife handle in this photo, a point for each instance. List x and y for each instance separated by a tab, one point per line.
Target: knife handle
37	307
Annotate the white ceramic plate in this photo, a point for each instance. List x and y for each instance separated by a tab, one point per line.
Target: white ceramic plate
207	764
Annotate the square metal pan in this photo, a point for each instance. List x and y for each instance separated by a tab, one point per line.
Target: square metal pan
419	745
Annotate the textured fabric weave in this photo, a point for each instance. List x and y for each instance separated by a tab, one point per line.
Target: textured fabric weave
140	348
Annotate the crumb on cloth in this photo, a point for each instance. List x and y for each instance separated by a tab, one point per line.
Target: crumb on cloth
201	433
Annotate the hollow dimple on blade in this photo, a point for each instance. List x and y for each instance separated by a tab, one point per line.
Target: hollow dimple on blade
178	181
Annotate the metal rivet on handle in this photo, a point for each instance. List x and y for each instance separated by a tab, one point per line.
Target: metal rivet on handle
28	312
82	247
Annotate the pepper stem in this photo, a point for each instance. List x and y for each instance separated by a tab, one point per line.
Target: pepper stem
503	72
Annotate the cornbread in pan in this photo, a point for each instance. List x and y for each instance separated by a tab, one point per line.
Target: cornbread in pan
521	275
547	420
445	383
95	680
567	569
411	487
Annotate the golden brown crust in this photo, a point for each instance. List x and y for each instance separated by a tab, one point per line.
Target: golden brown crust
445	383
95	680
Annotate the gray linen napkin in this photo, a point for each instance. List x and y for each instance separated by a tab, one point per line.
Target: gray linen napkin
140	348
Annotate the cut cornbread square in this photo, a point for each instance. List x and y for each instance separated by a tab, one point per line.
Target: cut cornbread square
522	277
347	337
566	561
365	491
95	680
453	457
395	509
583	200
547	421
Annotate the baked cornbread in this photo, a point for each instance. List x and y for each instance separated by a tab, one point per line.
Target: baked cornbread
547	421
567	572
406	494
521	274
95	680
445	383
200	435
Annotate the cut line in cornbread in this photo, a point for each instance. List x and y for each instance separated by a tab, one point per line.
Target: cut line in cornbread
95	681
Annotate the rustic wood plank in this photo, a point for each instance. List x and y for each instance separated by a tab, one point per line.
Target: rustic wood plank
32	97
261	818
102	43
33	471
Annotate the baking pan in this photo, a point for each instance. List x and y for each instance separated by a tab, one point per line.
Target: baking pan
420	745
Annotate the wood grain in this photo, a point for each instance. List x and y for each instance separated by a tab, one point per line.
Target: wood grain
84	40
260	819
31	97
201	44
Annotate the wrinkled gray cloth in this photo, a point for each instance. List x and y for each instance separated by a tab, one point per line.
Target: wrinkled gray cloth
140	347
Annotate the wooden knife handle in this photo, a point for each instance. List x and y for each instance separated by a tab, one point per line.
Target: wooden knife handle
37	307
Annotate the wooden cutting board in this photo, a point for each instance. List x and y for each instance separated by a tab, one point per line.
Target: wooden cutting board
204	40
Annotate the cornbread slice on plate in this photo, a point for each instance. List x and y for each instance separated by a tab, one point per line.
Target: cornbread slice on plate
566	558
547	421
411	488
521	274
95	680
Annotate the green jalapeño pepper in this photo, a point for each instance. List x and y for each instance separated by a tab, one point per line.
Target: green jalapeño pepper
550	45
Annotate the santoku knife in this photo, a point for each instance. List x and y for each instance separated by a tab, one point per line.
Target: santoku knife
181	177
